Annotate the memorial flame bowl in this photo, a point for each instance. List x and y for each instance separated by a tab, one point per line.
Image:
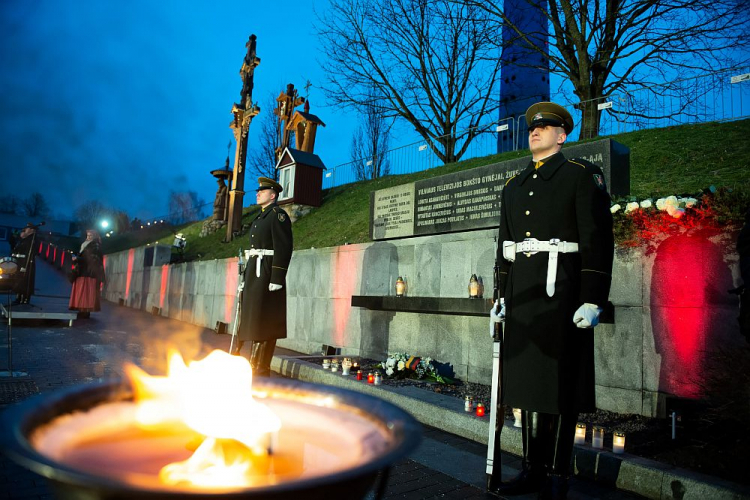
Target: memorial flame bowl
20	421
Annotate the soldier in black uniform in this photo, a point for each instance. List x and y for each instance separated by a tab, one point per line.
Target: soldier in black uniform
24	252
555	254
263	315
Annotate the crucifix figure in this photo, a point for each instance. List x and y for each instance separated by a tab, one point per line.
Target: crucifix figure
244	112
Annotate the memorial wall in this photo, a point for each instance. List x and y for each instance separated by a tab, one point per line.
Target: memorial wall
470	199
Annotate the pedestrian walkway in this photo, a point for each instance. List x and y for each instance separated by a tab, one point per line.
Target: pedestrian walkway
445	465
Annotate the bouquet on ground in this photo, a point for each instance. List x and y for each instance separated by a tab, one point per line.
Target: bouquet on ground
402	365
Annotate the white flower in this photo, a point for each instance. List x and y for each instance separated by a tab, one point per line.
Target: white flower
401	365
390	363
633	205
689	202
614	208
389	371
675	212
646	203
660	203
672	201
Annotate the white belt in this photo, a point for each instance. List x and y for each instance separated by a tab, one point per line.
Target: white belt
259	254
530	246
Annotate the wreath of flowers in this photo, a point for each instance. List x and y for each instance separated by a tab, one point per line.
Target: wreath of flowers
401	365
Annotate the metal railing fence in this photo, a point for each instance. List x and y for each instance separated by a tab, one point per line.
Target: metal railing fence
718	96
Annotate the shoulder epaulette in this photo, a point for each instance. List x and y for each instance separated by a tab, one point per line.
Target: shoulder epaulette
577	163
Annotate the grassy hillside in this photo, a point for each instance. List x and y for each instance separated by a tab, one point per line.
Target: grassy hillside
674	160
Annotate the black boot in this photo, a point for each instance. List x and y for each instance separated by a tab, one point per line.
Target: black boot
559	453
555	488
261	357
532	473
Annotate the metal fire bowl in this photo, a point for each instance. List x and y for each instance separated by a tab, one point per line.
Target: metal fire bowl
18	423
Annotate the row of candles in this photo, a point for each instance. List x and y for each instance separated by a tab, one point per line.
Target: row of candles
597	438
475	288
348	366
375	378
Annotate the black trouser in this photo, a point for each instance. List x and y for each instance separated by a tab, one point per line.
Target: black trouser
260	356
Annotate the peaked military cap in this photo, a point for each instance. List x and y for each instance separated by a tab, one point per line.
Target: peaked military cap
266	183
549	113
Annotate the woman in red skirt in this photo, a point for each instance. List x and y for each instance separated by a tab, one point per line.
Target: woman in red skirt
89	276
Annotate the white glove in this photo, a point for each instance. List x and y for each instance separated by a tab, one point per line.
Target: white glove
241	286
272	287
496	317
587	316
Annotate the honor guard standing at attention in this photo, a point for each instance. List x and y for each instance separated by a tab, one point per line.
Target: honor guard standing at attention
263	304
555	253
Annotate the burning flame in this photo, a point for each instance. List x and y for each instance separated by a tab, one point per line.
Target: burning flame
213	397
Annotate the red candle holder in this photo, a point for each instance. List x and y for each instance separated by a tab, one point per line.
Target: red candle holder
370	378
359	374
480	410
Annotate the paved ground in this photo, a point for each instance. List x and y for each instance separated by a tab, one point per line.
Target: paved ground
55	355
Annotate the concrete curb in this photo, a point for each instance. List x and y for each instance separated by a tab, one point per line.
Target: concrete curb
638	475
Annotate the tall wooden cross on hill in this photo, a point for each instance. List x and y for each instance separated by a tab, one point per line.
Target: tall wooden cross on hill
244	112
285	109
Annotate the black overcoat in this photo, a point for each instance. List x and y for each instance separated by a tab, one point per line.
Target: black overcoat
263	315
548	363
91	262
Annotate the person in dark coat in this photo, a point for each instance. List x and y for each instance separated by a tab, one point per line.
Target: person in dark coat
263	301
555	253
24	251
89	276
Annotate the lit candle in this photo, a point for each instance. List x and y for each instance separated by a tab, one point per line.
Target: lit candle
580	433
400	287
618	442
480	410
359	374
597	437
370	378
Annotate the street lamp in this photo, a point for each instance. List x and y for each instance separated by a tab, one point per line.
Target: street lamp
104	224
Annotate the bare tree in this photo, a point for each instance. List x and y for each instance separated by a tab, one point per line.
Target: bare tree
370	144
90	214
35	205
261	160
185	207
10	204
433	63
607	46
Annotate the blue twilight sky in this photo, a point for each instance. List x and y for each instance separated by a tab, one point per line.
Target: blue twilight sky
122	100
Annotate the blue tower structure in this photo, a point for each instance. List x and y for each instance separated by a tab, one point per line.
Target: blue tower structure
524	75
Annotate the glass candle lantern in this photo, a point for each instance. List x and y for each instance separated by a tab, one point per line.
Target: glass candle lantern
618	442
326	364
480	410
580	433
473	287
359	374
597	437
370	378
400	287
469	404
378	378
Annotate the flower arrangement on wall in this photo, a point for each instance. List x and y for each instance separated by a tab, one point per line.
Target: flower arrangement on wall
641	223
